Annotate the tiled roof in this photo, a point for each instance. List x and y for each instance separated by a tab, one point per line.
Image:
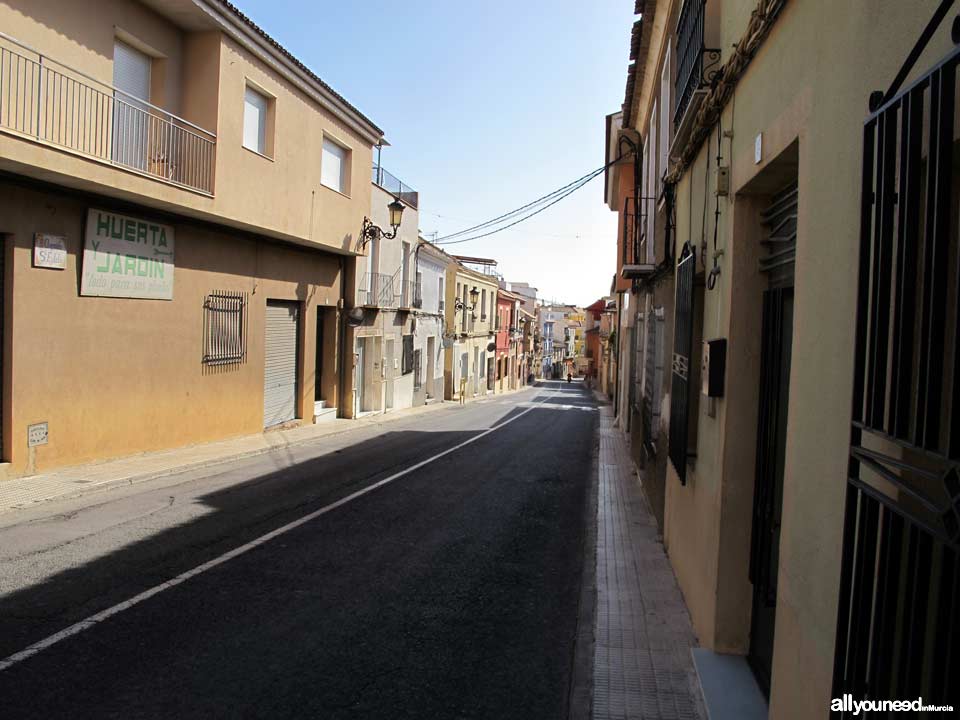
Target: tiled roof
639	46
287	54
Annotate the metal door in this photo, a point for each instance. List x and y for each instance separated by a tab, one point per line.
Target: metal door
280	362
768	482
898	628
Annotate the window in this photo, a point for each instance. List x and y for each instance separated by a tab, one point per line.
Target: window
483	304
650	184
407	361
255	109
440	297
665	104
224	328
333	166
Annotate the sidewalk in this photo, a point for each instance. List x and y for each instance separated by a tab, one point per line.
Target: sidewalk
642	663
79	480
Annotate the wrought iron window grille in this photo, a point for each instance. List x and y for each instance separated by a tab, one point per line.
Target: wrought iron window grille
225	321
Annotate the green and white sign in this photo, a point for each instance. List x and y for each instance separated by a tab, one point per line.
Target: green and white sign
127	257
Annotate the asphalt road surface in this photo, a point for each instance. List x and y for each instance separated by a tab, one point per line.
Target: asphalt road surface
449	591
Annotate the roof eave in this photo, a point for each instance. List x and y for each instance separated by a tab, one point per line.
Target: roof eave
243	30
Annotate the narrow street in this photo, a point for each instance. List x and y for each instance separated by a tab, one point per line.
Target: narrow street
450	590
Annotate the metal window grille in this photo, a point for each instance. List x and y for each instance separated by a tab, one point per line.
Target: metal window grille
407	360
898	630
225	328
691	72
680	374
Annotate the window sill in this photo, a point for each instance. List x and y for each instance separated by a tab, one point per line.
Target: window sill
258	154
338	192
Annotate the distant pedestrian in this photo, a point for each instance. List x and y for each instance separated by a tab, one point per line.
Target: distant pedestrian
463	390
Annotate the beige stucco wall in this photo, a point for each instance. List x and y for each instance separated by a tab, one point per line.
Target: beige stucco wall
202	76
115	376
806	91
478	338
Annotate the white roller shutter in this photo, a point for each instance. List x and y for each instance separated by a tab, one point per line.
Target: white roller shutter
131	74
131	71
332	165
280	364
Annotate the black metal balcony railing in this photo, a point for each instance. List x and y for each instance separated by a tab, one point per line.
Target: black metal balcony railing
406	194
51	103
697	66
378	289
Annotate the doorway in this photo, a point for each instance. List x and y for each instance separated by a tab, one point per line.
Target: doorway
431	363
388	374
775	356
280	362
131	77
368	373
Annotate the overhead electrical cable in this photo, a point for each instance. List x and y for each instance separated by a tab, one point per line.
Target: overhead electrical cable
539	210
532	208
507	216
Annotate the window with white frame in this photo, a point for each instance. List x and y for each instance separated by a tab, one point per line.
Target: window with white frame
333	166
256	107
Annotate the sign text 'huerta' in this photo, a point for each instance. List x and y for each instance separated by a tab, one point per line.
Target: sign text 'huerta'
127	257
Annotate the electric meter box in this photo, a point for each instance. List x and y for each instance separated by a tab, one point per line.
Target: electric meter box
714	367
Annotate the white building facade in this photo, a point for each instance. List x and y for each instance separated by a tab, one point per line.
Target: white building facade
428	322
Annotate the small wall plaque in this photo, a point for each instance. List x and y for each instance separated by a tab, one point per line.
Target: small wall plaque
37	434
49	251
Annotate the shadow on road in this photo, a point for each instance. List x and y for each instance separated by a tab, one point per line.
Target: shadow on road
450	593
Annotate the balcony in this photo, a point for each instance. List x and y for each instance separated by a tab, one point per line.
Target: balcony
697	65
409	294
406	194
377	290
635	256
47	102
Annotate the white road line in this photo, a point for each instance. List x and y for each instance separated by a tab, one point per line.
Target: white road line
99	617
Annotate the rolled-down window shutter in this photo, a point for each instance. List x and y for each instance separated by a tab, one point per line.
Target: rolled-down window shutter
332	166
255	121
131	71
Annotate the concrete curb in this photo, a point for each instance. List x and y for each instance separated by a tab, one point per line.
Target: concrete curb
134	478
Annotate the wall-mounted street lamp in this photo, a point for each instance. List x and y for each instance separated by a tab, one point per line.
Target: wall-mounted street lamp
474	295
369	231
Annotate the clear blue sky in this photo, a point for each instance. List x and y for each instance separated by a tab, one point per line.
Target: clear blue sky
487	105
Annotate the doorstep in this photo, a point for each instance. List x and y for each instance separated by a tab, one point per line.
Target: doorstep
730	691
74	481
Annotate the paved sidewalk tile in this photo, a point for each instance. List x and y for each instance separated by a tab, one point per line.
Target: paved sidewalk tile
642	666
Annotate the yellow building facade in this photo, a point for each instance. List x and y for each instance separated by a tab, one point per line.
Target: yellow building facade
130	120
790	509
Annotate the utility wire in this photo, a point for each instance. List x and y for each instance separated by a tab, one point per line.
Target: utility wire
583	181
575	185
